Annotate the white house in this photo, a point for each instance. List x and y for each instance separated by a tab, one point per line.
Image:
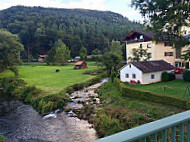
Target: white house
144	72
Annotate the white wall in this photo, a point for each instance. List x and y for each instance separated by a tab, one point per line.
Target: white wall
146	79
133	70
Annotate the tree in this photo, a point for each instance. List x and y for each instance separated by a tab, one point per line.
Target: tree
83	53
10	49
186	55
139	54
59	54
116	47
112	62
165	16
96	52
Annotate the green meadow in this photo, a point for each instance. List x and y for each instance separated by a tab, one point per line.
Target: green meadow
175	88
46	77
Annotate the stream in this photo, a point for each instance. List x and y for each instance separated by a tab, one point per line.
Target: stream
21	123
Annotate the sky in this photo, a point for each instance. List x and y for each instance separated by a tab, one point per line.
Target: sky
119	6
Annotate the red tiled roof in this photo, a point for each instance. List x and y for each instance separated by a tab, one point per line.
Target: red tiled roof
79	63
42	56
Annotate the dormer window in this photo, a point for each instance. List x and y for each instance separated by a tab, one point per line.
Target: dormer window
141	37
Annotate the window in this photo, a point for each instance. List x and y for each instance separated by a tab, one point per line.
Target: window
141	46
168	53
152	76
127	75
168	44
149	55
149	45
134	75
141	37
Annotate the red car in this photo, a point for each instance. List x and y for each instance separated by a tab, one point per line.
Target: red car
178	70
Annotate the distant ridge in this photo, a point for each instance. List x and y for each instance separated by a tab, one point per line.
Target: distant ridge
40	27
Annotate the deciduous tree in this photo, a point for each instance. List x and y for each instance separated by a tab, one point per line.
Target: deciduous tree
139	54
166	16
10	48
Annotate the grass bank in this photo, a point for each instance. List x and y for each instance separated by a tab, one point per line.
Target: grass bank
175	88
119	112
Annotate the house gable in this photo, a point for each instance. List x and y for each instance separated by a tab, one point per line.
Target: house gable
130	72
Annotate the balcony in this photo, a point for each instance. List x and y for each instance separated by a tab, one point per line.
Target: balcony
161	130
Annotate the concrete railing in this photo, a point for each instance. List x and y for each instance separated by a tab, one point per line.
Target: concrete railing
152	129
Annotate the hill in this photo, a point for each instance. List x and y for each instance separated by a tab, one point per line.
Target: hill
38	28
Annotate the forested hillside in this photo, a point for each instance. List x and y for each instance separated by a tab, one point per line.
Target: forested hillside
39	28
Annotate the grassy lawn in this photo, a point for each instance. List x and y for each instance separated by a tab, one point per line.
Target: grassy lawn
46	78
174	88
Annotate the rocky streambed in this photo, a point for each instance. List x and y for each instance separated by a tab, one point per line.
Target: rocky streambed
84	97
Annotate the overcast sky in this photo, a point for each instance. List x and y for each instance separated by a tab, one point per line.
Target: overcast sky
118	6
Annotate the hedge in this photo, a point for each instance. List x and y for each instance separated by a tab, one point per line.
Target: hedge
186	75
152	97
167	76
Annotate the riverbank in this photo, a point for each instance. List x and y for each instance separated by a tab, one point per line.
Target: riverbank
45	89
21	123
116	112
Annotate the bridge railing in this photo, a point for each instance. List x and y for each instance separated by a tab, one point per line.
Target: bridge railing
166	126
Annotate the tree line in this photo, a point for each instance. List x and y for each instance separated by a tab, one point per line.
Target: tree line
39	28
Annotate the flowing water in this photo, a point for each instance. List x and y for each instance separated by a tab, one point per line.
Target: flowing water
21	123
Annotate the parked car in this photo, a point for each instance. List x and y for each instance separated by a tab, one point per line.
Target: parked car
178	70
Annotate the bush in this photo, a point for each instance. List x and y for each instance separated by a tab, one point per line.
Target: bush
152	97
186	75
165	76
105	125
10	85
30	94
171	76
2	138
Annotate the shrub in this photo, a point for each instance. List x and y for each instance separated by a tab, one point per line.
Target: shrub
112	76
2	138
152	97
30	94
10	85
186	75
165	76
171	76
105	125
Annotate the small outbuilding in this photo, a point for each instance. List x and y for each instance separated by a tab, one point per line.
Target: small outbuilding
41	58
144	72
80	65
